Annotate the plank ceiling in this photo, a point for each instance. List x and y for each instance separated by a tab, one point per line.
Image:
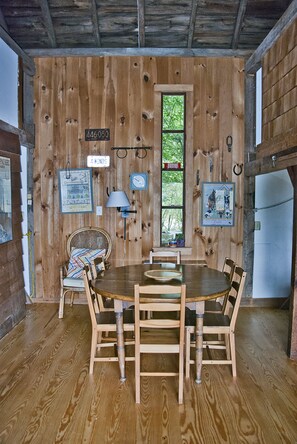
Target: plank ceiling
184	24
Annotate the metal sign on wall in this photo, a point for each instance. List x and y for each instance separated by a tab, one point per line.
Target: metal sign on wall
97	134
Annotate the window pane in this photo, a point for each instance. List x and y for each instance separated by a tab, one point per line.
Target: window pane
172	188
173	112
173	147
172	224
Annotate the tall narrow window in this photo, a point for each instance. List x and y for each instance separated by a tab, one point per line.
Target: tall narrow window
173	169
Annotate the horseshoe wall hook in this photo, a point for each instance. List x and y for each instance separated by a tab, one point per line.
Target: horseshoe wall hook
238	166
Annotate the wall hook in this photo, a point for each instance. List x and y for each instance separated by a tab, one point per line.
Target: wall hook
240	168
229	143
273	160
122	155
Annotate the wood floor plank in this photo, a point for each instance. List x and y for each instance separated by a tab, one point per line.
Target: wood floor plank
48	396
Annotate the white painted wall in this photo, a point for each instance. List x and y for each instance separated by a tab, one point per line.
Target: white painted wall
273	242
8	85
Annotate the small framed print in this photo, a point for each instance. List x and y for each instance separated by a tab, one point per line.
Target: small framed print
218	204
5	200
76	194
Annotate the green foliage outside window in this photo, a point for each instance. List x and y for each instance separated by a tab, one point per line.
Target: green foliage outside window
173	141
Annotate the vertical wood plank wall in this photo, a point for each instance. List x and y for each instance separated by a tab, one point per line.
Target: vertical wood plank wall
280	92
72	94
12	293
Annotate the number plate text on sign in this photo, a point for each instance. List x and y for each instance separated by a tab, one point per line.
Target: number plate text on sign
97	134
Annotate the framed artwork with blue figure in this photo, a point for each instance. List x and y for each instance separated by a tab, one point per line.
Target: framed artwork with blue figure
218	203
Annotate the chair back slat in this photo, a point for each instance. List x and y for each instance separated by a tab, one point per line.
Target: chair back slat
143	325
165	254
235	294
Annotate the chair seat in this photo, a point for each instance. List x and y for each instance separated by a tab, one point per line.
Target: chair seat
108	317
73	283
213	306
209	319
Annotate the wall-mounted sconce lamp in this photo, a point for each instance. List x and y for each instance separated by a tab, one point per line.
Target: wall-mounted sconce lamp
120	201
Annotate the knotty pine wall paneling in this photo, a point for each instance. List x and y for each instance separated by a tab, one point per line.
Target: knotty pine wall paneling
12	292
72	94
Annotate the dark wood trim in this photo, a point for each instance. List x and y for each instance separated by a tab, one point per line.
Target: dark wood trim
249	183
153	52
238	24
254	62
292	341
48	22
95	22
28	63
192	22
26	139
141	26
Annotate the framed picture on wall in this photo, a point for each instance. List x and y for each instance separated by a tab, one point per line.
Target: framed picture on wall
76	193
218	204
5	201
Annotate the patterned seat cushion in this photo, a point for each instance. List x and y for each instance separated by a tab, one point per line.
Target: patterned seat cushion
80	257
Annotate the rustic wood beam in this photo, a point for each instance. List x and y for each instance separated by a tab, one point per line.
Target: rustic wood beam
268	164
249	184
238	24
2	21
95	22
48	22
141	27
278	144
153	52
254	62
195	4
28	63
292	343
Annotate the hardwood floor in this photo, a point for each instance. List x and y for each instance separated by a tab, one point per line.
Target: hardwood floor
47	395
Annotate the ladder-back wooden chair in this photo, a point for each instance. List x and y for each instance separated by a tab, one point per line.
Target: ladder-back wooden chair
164	256
104	322
218	325
156	302
218	305
82	247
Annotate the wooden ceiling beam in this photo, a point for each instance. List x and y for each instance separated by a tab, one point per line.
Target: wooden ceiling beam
48	22
254	62
141	26
238	24
153	52
192	21
95	23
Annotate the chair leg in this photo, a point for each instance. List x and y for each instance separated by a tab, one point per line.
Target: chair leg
227	344
71	299
93	350
233	355
188	352
137	374
181	376
61	304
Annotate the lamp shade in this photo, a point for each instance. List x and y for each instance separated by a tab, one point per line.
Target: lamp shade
118	199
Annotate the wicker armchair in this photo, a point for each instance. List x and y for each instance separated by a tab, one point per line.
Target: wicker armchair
82	246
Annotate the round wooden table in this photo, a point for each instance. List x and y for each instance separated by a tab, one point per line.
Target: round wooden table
202	284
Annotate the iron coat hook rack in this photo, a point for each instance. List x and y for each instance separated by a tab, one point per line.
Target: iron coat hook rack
126	148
